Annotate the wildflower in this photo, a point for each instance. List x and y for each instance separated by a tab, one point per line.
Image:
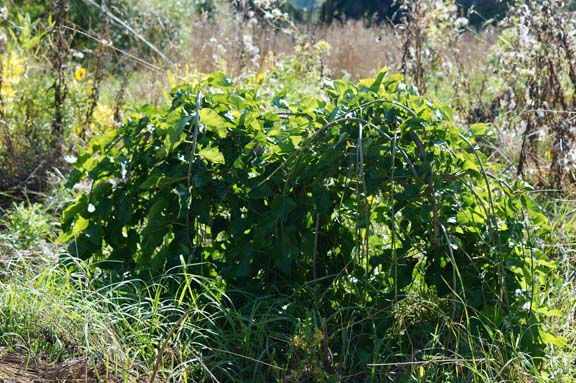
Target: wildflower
70	159
80	73
77	54
323	46
461	22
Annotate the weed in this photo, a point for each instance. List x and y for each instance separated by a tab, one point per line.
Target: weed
534	60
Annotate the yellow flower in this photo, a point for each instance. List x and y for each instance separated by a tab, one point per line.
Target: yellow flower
80	73
13	67
323	46
104	115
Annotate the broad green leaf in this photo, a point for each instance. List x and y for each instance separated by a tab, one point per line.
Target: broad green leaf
80	225
470	165
375	86
282	206
479	129
72	210
243	269
152	181
549	312
219	80
556	340
212	155
214	122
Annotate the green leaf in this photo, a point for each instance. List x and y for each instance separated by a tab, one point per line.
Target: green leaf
219	80
214	122
479	129
549	312
243	269
412	124
375	87
470	165
100	142
152	181
282	206
556	340
73	178
212	155
174	126
79	226
72	210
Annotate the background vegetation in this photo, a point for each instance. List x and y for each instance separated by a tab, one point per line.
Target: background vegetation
288	191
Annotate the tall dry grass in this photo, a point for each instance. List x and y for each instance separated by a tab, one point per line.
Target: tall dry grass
237	43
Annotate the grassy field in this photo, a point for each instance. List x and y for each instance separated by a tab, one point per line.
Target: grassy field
468	276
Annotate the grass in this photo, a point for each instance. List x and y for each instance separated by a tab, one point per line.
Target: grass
51	312
560	360
182	328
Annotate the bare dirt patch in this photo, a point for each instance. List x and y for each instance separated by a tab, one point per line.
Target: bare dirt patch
16	368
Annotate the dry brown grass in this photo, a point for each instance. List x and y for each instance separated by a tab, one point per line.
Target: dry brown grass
241	46
359	51
17	368
236	45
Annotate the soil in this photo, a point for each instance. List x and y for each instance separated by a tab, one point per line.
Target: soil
16	368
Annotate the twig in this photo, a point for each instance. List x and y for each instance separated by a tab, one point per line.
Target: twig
165	344
129	28
425	362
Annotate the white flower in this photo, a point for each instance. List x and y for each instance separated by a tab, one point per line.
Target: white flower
77	54
70	159
461	22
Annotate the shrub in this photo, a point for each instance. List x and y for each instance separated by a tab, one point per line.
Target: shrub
368	185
